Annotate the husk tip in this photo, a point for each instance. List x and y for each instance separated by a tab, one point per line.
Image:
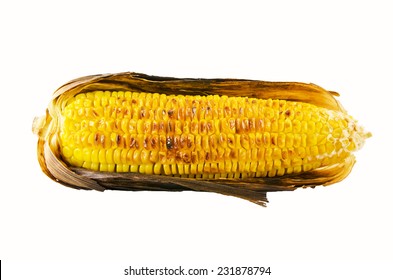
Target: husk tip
38	124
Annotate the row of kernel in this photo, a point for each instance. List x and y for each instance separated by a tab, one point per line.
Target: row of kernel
242	157
185	108
238	126
205	107
203	171
229	169
202	107
195	142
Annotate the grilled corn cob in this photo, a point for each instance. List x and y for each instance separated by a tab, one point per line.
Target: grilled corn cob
235	137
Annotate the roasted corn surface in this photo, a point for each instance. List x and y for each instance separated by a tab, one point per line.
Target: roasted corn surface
203	136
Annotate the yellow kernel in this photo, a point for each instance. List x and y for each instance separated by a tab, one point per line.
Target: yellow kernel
103	167
134	168
316	164
193	168
296	126
109	156
266	139
286	163
289	140
337	132
253	166
277	164
136	157
329	147
297	169
274	126
87	154
228	166
281	140
180	169
154	156
287	125
86	165
280	172
213	167
119	168
311	140
272	173
102	156
311	127
117	156
269	165
281	125
67	152
297	140
123	156
174	168
145	156
321	139
261	166
148	168
186	169
276	153
157	168
307	167
78	154
111	167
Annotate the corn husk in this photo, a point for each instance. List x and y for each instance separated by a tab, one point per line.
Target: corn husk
252	189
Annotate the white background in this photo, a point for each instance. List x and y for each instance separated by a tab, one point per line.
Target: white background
337	231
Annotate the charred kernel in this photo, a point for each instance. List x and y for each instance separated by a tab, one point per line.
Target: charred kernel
176	142
171	113
274	139
154	142
169	143
118	139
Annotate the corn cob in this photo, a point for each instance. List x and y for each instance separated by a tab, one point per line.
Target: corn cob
236	137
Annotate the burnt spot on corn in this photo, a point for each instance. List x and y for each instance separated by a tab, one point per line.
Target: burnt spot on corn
171	113
169	143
